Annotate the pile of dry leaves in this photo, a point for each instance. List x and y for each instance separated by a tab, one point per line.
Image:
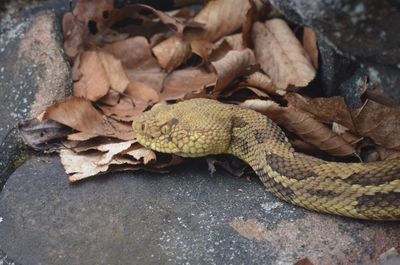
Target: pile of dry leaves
237	51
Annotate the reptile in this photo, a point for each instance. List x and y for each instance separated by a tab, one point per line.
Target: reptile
200	127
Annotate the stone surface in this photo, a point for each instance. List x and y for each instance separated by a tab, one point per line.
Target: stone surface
355	37
186	217
33	73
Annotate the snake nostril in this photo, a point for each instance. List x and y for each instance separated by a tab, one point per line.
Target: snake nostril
143	127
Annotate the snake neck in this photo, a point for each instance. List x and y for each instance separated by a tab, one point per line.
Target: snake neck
363	191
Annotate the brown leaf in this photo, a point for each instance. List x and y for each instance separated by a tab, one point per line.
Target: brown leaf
79	114
134	53
172	52
216	18
226	44
379	122
137	97
94	83
328	110
220	18
181	83
46	135
139	152
310	45
374	120
232	66
115	73
281	55
263	82
303	125
202	48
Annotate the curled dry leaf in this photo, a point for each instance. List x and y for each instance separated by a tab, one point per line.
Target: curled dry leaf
115	73
94	83
220	18
139	152
134	53
232	66
137	97
138	61
328	110
43	136
379	122
310	45
217	20
99	71
263	82
281	55
303	125
226	44
79	114
373	120
185	82
172	52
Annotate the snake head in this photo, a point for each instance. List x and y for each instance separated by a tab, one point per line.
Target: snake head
185	129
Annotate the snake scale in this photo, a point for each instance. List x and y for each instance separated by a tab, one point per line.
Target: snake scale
200	127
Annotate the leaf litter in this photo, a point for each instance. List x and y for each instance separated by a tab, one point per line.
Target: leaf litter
125	60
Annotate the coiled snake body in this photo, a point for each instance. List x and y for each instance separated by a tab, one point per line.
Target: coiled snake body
200	127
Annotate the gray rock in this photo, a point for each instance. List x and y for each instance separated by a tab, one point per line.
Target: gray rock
354	35
186	217
33	74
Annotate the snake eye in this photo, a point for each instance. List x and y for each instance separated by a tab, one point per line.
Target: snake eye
165	129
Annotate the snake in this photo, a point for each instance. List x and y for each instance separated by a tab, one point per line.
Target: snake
200	127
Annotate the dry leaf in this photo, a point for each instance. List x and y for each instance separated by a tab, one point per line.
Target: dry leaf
374	120
379	122
281	55
185	82
263	82
220	18
216	18
79	114
232	66
115	73
328	110
172	52
140	153
137	97
303	125
43	136
310	45
94	83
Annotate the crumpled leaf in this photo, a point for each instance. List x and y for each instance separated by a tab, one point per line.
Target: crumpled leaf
79	114
137	97
374	120
94	83
185	83
220	18
216	18
172	52
232	66
41	136
281	55
303	125
115	73
263	82
310	45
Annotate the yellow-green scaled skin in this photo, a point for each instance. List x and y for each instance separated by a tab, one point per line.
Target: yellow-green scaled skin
200	127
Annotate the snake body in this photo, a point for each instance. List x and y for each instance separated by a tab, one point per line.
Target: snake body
200	127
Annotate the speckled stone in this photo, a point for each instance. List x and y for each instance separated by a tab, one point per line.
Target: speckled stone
185	217
33	72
